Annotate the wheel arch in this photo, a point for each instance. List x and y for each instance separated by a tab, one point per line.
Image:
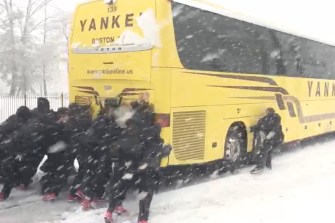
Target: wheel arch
243	128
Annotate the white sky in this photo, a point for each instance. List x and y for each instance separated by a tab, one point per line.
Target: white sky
311	18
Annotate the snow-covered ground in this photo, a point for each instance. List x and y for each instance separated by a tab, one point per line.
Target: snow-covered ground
300	188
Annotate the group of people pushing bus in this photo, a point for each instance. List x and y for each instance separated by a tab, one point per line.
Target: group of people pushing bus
112	155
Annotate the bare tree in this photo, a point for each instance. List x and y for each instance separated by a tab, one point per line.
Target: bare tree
19	51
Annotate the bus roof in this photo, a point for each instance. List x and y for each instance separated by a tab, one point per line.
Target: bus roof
253	16
262	19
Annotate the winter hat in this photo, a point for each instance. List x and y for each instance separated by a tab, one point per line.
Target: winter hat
43	105
23	112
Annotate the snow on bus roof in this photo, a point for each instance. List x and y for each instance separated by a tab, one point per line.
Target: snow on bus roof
268	16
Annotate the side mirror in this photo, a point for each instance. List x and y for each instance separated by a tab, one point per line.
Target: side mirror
110	2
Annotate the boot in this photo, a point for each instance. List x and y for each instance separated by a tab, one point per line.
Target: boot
49	197
257	170
108	217
119	210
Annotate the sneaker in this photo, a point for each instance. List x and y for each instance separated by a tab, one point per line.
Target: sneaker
143	221
108	217
71	198
119	210
80	194
49	197
86	204
2	197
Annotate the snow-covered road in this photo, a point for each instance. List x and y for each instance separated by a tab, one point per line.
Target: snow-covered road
300	188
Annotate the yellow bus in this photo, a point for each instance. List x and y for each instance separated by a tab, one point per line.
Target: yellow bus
209	74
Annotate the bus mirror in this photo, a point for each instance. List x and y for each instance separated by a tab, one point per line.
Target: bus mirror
110	2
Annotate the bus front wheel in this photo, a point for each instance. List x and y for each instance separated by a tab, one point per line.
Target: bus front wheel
235	146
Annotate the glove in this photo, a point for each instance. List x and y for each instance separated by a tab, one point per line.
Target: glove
166	150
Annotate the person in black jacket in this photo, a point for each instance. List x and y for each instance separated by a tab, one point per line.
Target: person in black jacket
8	127
141	149
79	122
96	150
56	167
268	135
27	148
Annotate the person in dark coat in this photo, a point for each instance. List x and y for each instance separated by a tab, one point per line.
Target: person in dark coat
56	167
141	149
268	135
8	127
27	147
96	152
79	122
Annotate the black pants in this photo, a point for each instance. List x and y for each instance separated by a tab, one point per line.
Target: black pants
264	156
148	183
54	180
19	170
117	188
145	181
95	179
76	184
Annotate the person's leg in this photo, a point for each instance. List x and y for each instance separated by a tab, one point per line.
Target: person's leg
269	159
144	206
10	170
28	168
59	179
148	185
46	183
117	194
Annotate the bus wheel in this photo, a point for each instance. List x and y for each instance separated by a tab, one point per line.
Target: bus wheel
235	147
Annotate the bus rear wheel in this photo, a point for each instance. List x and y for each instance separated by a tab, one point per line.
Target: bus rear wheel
235	147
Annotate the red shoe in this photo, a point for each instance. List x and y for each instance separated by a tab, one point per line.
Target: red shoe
86	204
119	210
2	197
72	199
80	194
108	217
49	197
143	221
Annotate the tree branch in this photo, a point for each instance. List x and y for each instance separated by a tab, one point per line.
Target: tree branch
38	24
39	7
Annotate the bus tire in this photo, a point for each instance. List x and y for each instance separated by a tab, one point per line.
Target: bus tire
235	147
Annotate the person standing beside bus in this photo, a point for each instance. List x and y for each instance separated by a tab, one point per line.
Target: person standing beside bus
141	150
268	135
